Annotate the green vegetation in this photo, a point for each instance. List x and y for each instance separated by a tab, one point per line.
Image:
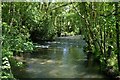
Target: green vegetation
26	23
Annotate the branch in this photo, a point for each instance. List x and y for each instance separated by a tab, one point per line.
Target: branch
78	12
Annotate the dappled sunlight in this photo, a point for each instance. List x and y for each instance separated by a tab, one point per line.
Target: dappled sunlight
50	61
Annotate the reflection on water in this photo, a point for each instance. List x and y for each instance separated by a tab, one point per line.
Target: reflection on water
65	55
62	59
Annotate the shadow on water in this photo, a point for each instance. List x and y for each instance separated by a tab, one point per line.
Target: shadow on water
64	58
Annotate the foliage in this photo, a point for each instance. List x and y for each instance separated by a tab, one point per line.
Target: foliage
100	32
15	40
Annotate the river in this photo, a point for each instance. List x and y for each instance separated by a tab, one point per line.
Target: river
62	58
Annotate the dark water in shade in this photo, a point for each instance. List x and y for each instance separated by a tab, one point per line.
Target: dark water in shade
63	58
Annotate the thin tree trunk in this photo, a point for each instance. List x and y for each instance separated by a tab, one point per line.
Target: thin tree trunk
117	35
11	14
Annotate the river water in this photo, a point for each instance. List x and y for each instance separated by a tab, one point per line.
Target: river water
62	58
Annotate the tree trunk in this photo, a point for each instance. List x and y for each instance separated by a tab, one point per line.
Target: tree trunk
117	35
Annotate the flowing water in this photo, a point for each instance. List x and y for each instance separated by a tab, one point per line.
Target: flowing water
62	58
